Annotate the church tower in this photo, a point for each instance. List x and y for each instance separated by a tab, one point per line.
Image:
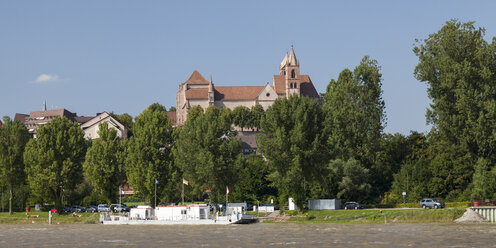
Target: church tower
290	69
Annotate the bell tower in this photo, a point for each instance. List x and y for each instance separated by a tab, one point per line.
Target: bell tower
290	69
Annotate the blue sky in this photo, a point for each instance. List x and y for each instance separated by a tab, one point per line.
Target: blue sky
122	56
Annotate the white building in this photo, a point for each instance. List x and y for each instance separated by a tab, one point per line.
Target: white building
91	127
178	213
144	212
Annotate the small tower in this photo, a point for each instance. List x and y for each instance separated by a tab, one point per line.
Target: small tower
44	105
290	69
211	98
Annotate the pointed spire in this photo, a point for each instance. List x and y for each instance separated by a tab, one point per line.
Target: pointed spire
292	57
284	61
211	85
44	105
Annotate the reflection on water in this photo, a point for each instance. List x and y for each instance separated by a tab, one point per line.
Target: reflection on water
261	235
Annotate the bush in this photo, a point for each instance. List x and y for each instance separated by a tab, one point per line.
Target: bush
457	204
408	205
447	204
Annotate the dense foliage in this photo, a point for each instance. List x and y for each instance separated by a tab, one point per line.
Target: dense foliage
54	160
149	160
294	145
208	153
13	139
104	164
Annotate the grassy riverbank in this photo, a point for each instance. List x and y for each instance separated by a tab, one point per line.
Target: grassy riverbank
375	216
42	217
312	216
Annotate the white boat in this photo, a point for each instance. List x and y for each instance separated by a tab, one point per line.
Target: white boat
175	215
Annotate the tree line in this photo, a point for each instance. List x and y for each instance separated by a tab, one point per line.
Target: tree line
334	147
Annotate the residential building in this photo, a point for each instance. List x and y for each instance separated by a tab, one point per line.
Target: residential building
248	142
89	124
91	127
197	91
35	119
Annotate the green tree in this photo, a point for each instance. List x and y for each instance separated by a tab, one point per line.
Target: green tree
414	179
241	116
208	153
351	179
355	112
459	68
252	184
294	145
54	160
483	181
104	164
149	155
172	109
393	153
257	114
13	139
355	118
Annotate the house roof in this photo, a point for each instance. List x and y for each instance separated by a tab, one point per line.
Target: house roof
20	117
83	119
53	112
280	84
201	93
196	78
172	117
237	92
307	88
101	117
248	139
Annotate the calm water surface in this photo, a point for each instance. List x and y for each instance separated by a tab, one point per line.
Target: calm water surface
256	235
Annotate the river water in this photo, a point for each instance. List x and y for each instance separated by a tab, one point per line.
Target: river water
255	235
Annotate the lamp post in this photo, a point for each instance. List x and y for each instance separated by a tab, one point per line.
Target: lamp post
407	183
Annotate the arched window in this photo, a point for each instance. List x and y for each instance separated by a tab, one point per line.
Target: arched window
292	73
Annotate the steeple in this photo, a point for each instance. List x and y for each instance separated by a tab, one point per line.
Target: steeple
290	69
292	58
284	61
44	105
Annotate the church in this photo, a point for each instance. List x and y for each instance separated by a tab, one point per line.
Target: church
197	91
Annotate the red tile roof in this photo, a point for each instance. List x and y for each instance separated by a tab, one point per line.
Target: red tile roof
20	117
280	84
196	78
172	117
237	92
53	112
307	88
83	119
201	93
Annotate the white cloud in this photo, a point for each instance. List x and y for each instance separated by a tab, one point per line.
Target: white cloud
45	78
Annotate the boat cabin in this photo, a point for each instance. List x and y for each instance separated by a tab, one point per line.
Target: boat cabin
189	212
144	212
